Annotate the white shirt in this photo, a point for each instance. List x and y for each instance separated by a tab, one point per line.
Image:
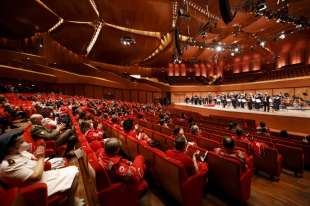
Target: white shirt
15	174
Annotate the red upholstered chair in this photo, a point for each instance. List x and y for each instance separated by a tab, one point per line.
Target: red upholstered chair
32	195
244	145
269	162
156	127
171	176
166	131
208	144
227	175
306	148
109	193
293	158
132	144
161	138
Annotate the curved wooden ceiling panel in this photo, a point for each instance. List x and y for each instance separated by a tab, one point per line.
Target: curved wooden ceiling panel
109	49
148	15
73	10
75	37
20	19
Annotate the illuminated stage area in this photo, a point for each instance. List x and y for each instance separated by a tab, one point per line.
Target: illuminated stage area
296	121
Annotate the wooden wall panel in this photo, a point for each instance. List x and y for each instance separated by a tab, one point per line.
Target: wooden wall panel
89	90
126	95
133	96
142	96
149	97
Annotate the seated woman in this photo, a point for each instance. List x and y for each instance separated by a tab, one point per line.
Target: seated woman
179	153
229	150
19	167
121	169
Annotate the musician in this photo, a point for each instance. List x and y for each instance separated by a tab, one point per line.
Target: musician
266	100
250	102
243	101
277	102
209	98
234	102
258	101
224	101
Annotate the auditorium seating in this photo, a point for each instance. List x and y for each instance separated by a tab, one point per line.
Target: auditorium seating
227	175
171	176
293	158
34	194
269	162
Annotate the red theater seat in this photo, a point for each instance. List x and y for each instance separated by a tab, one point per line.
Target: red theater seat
269	161
227	175
207	143
171	176
293	158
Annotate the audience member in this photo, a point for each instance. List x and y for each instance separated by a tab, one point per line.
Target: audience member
38	131
19	167
121	169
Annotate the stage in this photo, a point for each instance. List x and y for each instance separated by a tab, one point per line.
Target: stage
296	121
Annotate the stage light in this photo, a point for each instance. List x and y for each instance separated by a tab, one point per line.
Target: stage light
127	41
262	43
137	76
232	54
236	49
282	36
218	48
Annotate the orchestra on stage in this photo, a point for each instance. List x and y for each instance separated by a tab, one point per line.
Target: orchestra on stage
258	101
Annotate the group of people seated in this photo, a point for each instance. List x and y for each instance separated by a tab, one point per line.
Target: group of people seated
22	165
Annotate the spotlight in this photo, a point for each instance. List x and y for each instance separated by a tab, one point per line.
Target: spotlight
127	40
232	54
262	43
218	48
236	49
282	36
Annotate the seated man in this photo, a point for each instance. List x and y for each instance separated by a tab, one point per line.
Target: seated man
38	131
262	129
229	150
19	167
179	153
240	137
121	169
163	123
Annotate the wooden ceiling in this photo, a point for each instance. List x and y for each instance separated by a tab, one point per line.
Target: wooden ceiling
77	24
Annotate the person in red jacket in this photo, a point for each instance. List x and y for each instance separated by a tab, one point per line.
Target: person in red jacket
121	169
179	153
229	150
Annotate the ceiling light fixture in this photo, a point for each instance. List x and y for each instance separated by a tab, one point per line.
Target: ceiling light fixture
127	40
262	43
218	48
282	36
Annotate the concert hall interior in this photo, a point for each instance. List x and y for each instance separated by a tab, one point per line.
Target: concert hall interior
155	102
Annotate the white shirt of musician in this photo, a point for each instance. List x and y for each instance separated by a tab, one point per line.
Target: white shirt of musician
17	172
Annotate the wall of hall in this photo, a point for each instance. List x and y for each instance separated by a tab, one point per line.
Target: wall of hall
293	86
106	92
92	91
